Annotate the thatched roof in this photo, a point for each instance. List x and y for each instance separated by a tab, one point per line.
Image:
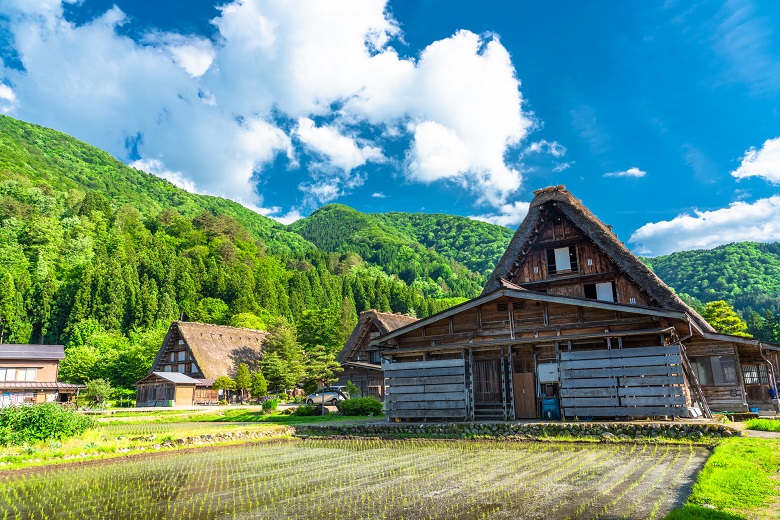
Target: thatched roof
383	322
558	198
217	349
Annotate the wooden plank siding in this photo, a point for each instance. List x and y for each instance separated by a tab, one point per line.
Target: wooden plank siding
426	389
631	382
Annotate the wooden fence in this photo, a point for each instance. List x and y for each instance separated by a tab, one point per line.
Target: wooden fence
426	389
630	382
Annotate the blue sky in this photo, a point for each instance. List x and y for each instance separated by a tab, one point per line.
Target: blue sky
662	117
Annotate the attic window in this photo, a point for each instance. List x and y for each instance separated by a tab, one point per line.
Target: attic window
600	291
502	307
562	260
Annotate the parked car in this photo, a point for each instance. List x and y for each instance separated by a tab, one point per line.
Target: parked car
332	395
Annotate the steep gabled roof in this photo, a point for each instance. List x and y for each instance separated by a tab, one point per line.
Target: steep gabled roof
384	321
560	199
217	349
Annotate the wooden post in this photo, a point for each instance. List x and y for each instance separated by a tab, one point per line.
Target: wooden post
512	385
503	383
546	315
471	383
511	320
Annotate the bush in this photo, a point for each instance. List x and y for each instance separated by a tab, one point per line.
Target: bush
40	422
306	410
361	406
270	404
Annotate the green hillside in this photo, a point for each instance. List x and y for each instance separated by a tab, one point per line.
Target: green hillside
32	153
381	242
476	245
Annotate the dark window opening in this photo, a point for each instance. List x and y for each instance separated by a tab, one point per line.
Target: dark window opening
600	291
562	260
714	370
501	307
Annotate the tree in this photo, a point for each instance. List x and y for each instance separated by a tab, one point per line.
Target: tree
97	392
259	386
224	383
243	379
248	320
724	319
353	390
320	327
321	365
283	363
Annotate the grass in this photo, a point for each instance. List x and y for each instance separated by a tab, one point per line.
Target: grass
764	425
239	415
738	481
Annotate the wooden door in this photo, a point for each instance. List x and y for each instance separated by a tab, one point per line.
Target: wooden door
487	381
525	395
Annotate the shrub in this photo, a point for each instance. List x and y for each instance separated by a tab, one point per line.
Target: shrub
361	406
306	410
223	402
270	404
353	390
40	422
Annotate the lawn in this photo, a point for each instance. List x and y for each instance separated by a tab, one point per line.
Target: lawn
415	479
740	480
764	425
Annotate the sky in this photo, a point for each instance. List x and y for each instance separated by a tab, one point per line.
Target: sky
662	117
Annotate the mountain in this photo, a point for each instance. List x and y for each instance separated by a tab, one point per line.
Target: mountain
746	274
31	153
391	242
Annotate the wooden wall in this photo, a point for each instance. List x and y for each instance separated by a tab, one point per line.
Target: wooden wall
635	382
722	398
426	389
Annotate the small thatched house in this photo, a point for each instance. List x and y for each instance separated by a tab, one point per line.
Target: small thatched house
571	323
201	353
361	363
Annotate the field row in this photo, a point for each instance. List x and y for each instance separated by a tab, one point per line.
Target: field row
338	479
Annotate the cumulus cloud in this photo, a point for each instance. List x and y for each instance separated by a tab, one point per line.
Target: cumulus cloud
554	148
631	172
155	167
217	112
510	215
341	151
740	221
764	163
379	195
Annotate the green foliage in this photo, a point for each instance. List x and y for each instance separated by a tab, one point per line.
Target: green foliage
40	422
764	425
722	317
243	378
224	383
321	365
259	385
352	390
97	392
360	406
271	404
283	360
305	410
247	320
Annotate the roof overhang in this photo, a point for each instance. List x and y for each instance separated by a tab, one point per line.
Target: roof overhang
535	296
357	364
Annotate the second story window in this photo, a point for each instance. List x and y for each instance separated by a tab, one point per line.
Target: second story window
562	260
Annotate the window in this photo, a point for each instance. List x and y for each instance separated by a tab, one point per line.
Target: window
182	355
4	373
755	374
375	358
194	368
715	370
167	368
182	366
562	260
173	356
600	291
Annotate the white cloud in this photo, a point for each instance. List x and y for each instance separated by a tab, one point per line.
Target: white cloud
563	166
155	167
554	148
379	195
511	214
631	172
763	163
342	152
211	110
7	99
740	221
289	217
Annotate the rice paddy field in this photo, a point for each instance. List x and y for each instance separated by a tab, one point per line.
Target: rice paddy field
350	479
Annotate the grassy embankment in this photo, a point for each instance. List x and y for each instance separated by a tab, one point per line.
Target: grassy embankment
740	480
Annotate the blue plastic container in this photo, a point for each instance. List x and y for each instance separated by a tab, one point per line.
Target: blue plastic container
551	409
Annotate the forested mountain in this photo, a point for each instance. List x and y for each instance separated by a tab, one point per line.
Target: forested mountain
388	243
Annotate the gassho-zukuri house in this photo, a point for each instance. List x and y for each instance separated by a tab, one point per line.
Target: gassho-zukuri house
192	357
571	324
362	364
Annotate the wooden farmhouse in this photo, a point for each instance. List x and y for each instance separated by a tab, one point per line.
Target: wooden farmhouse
571	324
192	357
28	374
361	364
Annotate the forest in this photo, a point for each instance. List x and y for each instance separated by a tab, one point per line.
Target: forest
101	257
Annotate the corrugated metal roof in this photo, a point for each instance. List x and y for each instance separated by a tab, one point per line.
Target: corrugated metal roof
176	377
32	352
27	385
